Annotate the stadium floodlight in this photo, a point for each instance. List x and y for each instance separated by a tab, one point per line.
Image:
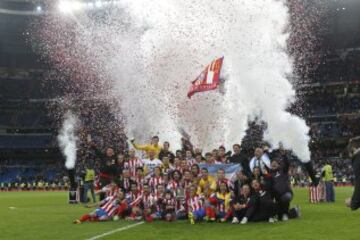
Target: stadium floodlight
65	6
38	8
90	5
98	4
69	6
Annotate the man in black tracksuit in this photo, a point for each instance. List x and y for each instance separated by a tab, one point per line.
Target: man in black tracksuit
260	207
241	180
280	185
108	168
354	152
239	203
281	153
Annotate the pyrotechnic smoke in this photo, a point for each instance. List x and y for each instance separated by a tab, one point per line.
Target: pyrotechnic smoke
150	50
67	139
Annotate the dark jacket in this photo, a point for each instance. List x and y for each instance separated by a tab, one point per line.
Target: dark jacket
243	161
168	154
238	185
280	179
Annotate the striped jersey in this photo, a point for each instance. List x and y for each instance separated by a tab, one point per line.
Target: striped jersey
154	182
110	205
195	203
132	165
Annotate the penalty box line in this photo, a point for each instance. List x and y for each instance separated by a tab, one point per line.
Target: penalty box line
115	231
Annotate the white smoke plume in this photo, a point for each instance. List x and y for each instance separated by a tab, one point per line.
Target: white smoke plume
151	50
67	139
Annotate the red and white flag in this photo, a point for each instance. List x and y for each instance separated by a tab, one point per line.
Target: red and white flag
209	79
314	194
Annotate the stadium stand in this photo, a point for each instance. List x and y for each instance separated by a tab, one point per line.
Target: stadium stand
330	103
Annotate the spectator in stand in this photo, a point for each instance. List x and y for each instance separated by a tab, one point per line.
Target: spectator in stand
152	147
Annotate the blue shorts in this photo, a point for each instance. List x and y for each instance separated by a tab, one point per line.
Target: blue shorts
100	213
159	214
199	214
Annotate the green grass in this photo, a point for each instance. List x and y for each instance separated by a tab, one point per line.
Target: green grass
46	215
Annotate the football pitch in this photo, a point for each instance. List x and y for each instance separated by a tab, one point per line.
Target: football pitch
46	215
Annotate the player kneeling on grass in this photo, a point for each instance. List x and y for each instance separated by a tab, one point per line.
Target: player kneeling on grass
169	205
106	209
147	205
261	205
281	187
219	204
195	203
240	203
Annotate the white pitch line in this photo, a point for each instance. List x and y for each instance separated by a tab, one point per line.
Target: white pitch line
114	231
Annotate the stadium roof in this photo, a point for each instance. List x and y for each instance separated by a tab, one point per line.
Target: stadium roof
15	16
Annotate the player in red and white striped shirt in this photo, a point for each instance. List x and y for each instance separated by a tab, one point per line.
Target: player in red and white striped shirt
134	163
134	198
110	190
139	178
222	179
185	165
148	203
156	179
189	157
177	164
169	206
175	182
107	208
187	182
195	205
